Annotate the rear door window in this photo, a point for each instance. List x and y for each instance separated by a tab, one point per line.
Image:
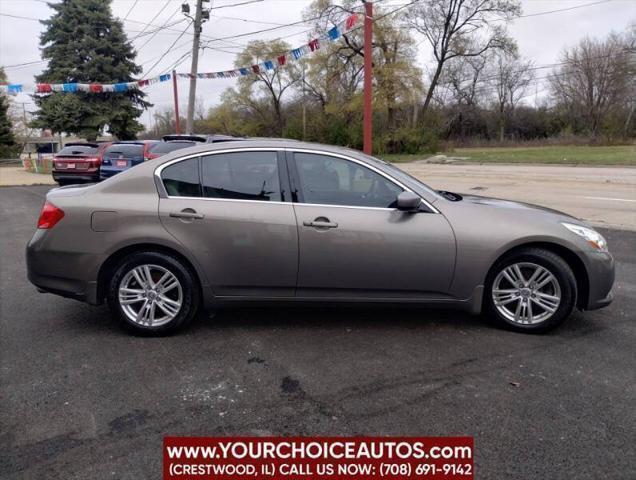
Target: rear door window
241	176
181	179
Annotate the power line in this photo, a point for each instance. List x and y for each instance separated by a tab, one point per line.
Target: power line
168	50
160	28
165	5
130	9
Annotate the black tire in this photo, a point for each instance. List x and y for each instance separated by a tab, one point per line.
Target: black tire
555	265
190	291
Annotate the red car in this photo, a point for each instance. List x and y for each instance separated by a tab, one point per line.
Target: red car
78	163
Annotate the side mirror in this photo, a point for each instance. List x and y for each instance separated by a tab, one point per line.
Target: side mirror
408	202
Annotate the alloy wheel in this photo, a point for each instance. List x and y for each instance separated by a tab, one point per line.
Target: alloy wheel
526	293
150	295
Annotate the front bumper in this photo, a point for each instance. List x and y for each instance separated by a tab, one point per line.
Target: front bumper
601	273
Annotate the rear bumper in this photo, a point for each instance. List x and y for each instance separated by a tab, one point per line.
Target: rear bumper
82	177
58	272
105	173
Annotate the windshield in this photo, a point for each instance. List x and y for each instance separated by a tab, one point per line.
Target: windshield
78	150
126	150
167	147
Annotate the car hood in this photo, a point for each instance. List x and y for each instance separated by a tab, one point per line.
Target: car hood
510	205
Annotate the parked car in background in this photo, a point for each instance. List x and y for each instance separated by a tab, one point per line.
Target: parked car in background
161	148
78	162
278	220
170	143
121	156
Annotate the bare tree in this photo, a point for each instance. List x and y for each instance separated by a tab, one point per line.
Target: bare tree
595	79
263	91
461	28
510	81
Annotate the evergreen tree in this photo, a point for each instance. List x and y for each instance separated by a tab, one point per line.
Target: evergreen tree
84	43
7	140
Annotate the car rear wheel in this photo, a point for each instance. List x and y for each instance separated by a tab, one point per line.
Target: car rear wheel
532	290
153	293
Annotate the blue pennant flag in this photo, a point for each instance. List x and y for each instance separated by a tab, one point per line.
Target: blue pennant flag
14	87
121	87
164	78
334	33
297	53
244	71
69	87
268	65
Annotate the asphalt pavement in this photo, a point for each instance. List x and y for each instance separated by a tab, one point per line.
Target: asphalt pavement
80	398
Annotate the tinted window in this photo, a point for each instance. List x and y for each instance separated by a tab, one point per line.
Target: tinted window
182	179
241	175
167	147
78	150
126	150
334	181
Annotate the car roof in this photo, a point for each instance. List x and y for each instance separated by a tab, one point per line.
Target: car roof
277	143
135	142
81	144
194	137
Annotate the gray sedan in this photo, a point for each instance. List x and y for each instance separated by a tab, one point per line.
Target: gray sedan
286	221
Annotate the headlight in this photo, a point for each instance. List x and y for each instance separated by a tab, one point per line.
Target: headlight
595	239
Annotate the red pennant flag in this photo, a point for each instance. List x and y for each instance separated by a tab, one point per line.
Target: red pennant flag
314	45
96	88
256	68
282	59
43	88
143	83
351	21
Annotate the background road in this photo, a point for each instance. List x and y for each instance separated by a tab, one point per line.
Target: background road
80	398
603	196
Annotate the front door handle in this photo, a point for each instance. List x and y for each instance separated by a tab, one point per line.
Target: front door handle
187	214
321	222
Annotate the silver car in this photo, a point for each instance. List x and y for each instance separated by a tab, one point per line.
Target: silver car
276	220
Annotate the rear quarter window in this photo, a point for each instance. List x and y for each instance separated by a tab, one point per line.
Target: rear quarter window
181	179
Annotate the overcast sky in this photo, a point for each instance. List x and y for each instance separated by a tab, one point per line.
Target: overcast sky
541	38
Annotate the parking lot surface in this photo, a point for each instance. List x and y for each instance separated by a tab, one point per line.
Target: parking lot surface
79	398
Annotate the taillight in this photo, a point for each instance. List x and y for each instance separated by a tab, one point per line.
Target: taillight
49	216
95	161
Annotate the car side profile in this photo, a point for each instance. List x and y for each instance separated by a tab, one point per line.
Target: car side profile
288	221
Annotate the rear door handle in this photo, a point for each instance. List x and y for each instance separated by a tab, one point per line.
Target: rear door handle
321	222
187	214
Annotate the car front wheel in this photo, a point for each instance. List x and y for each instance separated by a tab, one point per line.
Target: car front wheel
153	293
531	290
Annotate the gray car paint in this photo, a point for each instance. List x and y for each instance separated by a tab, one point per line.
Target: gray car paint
252	250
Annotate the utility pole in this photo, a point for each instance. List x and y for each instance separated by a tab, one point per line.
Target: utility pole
304	106
368	77
175	92
195	65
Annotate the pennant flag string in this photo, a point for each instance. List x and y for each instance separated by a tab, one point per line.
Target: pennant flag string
332	35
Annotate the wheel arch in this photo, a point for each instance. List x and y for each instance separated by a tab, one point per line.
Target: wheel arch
570	257
109	265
